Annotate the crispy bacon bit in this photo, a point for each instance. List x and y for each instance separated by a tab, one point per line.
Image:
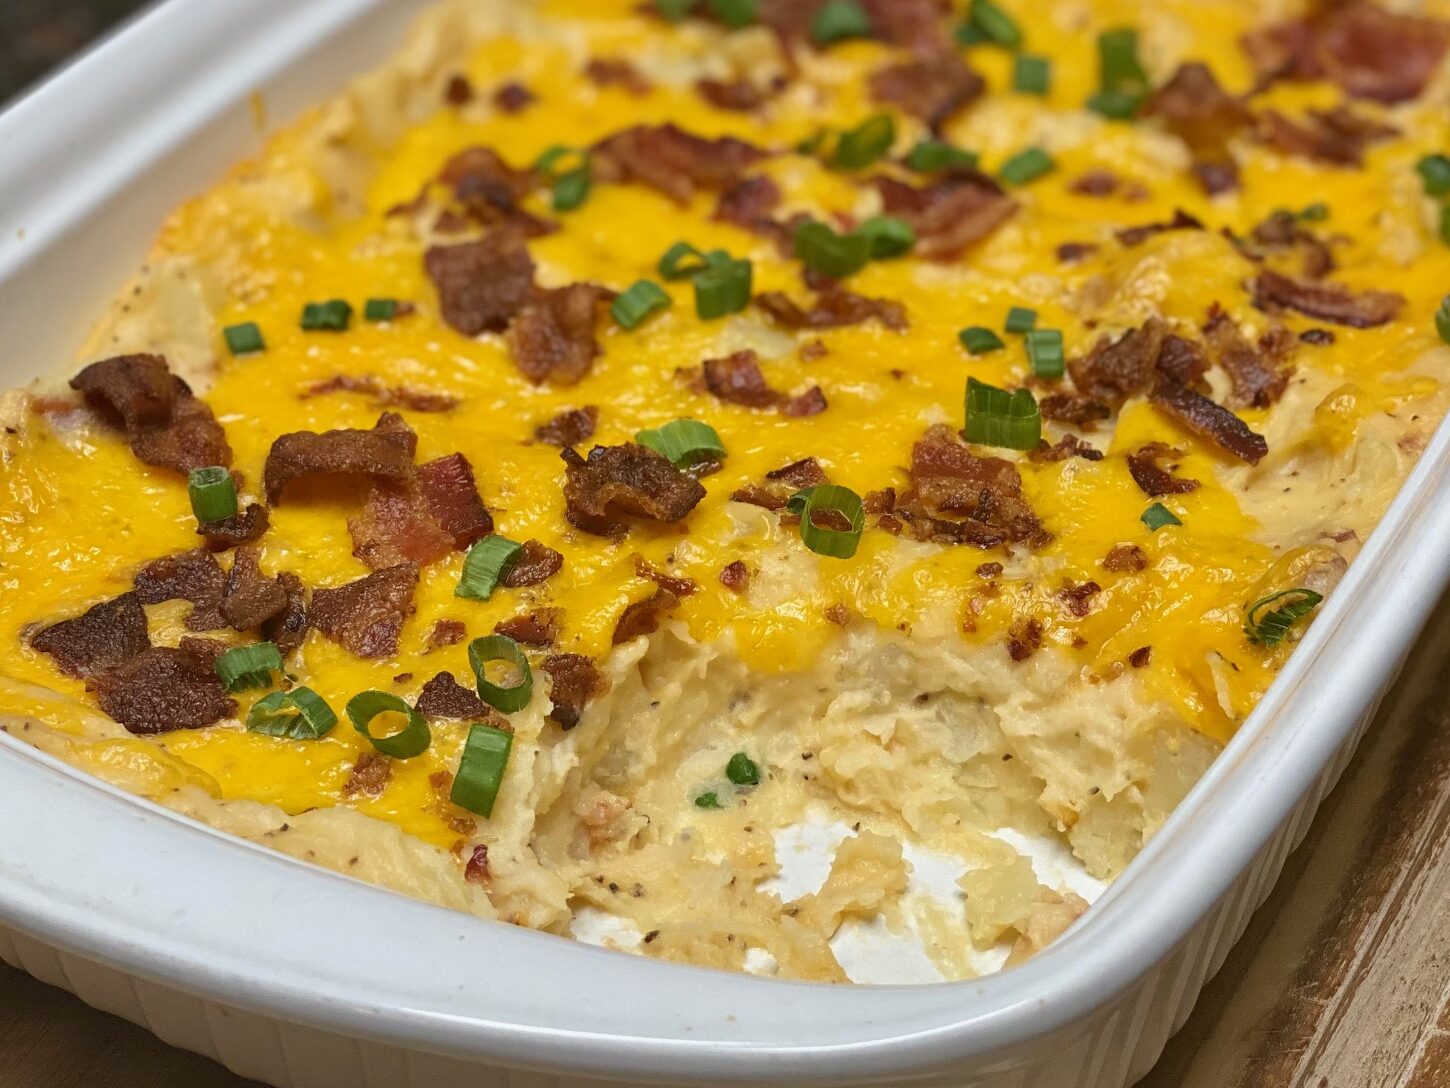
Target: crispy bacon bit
1125	558
644	617
1074	409
1369	51
1069	445
489	192
103	637
1136	236
450	494
366	616
370	775
736	577
617	72
446	633
781	483
1197	110
932	88
950	213
947	478
673	161
1183	360
536	565
537	628
1141	658
573	681
1317	337
482	285
1327	301
680	587
1338	136
458	91
477	870
382	394
1209	420
810	403
1079	598
569	428
193	576
990	570
1283	234
552	339
1073	252
165	423
1153	478
445	697
739	95
914	24
1256	380
833	308
1115	370
385	452
163	689
1098	183
288	628
625	481
879	502
1024	638
250	597
241	528
737	379
514	97
751	205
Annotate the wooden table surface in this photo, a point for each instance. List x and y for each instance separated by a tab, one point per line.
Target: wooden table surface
1342	981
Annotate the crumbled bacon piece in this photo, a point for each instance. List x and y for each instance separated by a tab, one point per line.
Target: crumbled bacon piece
1318	337
1203	115
537	628
569	428
1338	136
164	422
932	88
1256	380
371	772
1125	558
385	453
1153	478
1024	638
1141	658
446	633
781	483
458	91
1079	597
833	308
1183	360
242	527
1116	369
739	95
680	587
617	72
751	205
573	681
552	339
1069	445
990	570
737	379
482	285
444	697
162	689
450	494
983	493
489	192
366	616
735	576
625	481
193	576
644	617
1283	234
914	24
536	565
879	502
1136	236
950	213
250	597
104	636
673	161
382	394
810	403
477	870
288	628
1098	183
514	97
1073	252
1327	301
1209	420
1074	409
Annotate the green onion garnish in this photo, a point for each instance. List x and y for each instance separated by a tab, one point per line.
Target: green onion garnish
380	309
970	33
1445	224
836	255
683	261
708	800
480	771
1157	516
839	20
412	740
736	14
980	341
1442	320
723	288
572	189
889	236
1434	171
993	24
213	493
685	442
1025	166
996	417
1115	105
742	770
330	316
642	299
1317	212
484	568
299	714
505	697
244	339
1031	75
1044	352
1272	628
929	156
1123	83
674	11
567	172
842	506
859	147
1020	319
244	667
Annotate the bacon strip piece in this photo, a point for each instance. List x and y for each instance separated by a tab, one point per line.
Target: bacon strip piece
1257	382
751	205
738	95
917	25
367	616
574	680
382	394
1114	370
1338	136
1153	478
482	285
165	423
1209	420
1197	110
950	213
966	498
242	527
162	689
673	161
569	428
385	452
1327	301
489	190
552	338
193	576
535	566
1074	408
421	521
103	637
444	697
288	628
537	628
1136	236
644	617
250	597
932	88
833	308
1282	234
781	483
625	481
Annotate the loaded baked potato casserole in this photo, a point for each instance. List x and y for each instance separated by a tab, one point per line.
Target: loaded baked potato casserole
620	440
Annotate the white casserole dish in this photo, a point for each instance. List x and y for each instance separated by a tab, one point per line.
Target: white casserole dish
296	976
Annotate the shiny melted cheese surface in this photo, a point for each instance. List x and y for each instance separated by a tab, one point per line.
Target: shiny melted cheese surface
80	514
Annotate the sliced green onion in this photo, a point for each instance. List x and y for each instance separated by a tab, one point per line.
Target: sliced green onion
1272	627
742	770
685	442
829	499
1434	171
331	316
683	261
1031	75
244	339
708	800
1116	105
412	740
1044	352
859	147
1157	516
736	13
1317	212
244	667
969	33
480	771
642	299
996	417
572	189
1020	319
674	10
836	255
559	159
1118	66
299	714
1025	166
723	288
888	235
839	20
1442	320
487	563
507	698
380	309
1445	224
814	142
929	156
980	341
994	24
213	493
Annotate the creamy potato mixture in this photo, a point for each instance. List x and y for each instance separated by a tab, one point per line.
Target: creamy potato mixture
616	433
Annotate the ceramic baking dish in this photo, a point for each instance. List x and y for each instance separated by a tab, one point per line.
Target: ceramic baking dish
296	976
